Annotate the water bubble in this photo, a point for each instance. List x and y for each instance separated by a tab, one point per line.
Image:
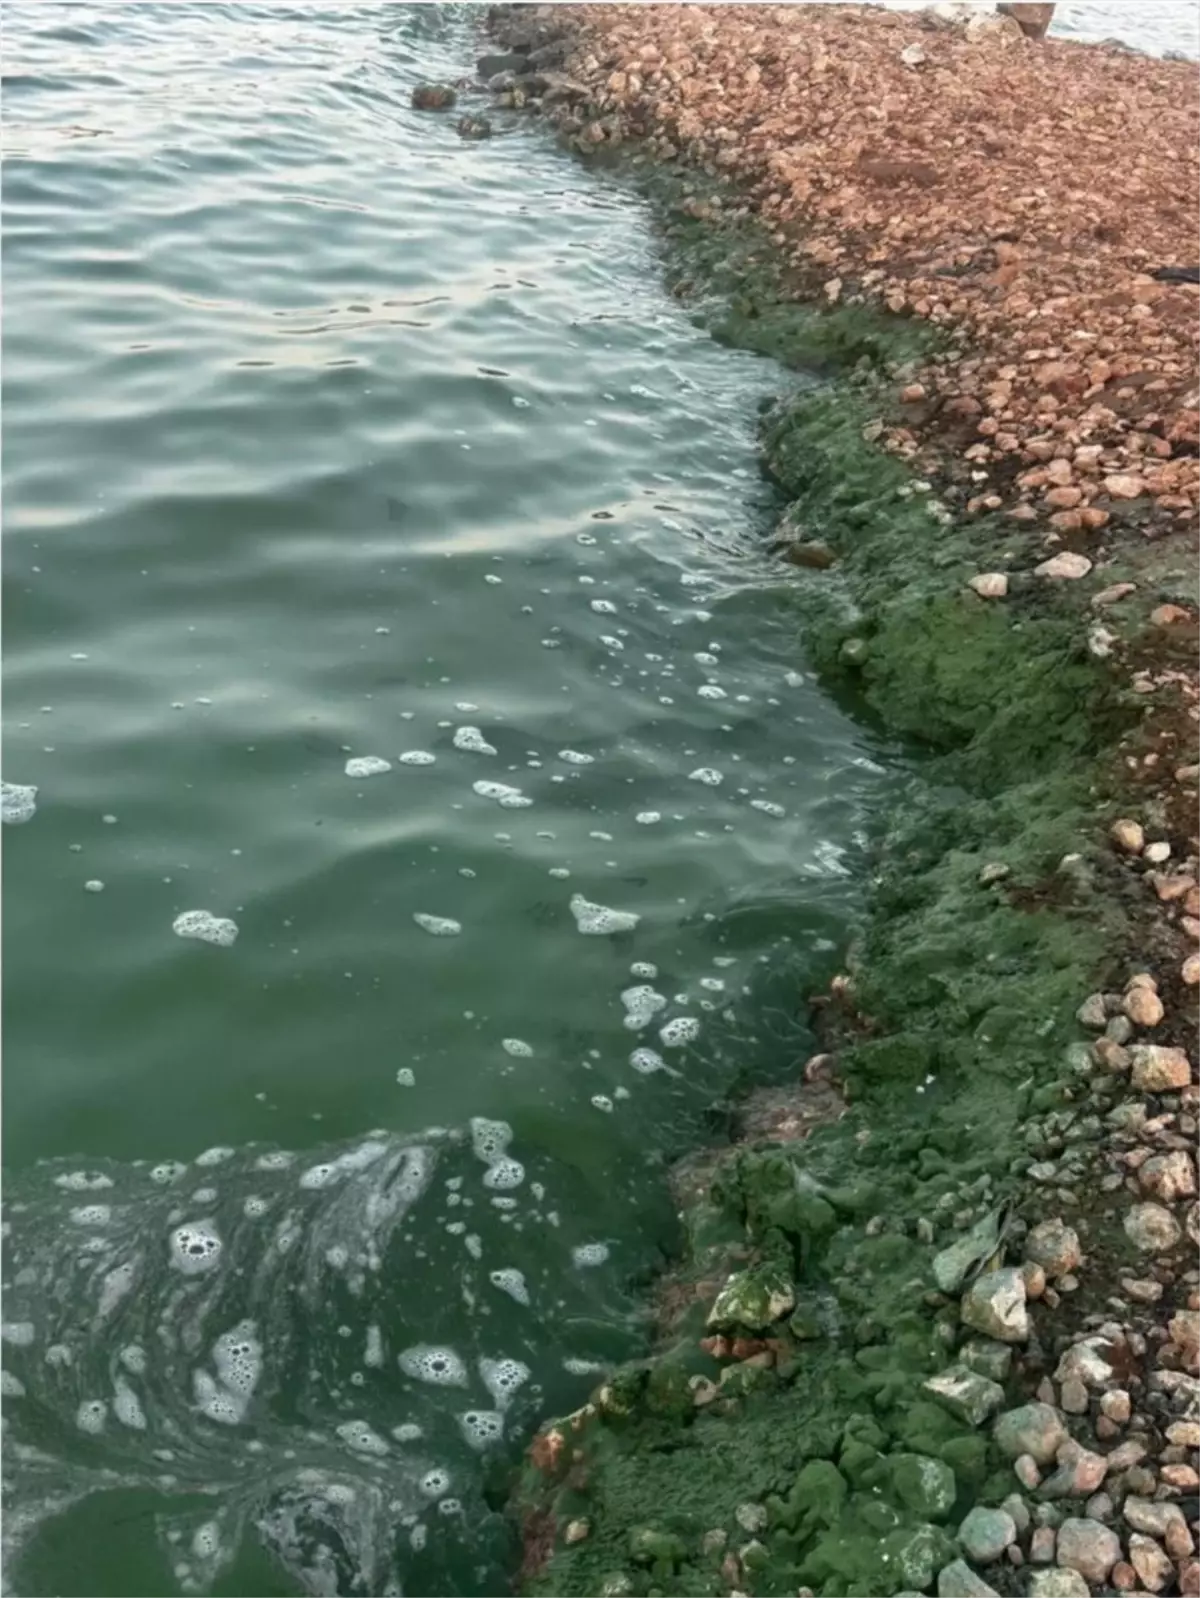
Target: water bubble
367	766
438	926
574	758
597	920
768	807
647	1061
358	1435
708	775
435	1483
206	927
206	1540
511	798
481	1427
93	885
503	1378
710	691
473	741
441	1367
512	1282
642	1004
648	818
490	1139
238	1357
91	1415
503	1174
195	1247
17	804
601	1101
516	1047
417	757
683	1029
643	969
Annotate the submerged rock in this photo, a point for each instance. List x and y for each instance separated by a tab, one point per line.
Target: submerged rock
433	97
473	127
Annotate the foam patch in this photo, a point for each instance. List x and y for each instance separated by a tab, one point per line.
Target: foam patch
597	920
367	766
17	804
438	926
206	928
472	741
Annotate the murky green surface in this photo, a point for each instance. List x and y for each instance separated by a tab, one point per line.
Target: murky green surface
326	436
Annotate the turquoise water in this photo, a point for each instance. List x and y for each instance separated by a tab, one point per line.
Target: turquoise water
329	437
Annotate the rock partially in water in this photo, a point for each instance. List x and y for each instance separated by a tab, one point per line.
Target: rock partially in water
433	97
473	127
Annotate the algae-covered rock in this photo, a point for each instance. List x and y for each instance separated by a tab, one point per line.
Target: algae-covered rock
816	1496
958	1580
753	1299
1036	1429
433	97
953	1264
987	1358
966	1394
923	1485
912	1555
650	1546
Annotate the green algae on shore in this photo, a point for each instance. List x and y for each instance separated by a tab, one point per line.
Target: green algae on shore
825	1433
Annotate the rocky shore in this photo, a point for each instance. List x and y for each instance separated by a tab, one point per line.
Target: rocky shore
938	1324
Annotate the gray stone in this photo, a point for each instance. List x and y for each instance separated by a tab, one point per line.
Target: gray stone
958	1580
1074	1396
986	1533
995	1304
1058	1584
987	1358
952	1264
1035	1429
1027	1472
964	1393
1079	1472
1155	1519
1086	1362
1152	1228
1041	1545
1055	1247
1091	1013
1088	1547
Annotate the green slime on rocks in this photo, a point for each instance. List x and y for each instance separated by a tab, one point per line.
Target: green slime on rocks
836	1469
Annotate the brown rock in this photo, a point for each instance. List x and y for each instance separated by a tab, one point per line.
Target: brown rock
1168	1177
1159	1070
1033	20
1125	485
1054	1246
1143	1006
989	585
1169	615
1128	836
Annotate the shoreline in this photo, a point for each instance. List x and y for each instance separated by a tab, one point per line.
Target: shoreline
954	1346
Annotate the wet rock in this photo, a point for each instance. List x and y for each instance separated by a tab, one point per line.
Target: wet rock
1065	567
966	1393
958	1580
989	585
512	61
1092	1013
1088	1547
1159	1070
815	556
995	1304
1152	1228
1054	1246
1035	1429
1153	1565
1058	1584
433	97
752	1299
987	1358
473	127
986	1533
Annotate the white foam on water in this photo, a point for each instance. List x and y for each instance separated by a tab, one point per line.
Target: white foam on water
517	1047
115	1285
648	818
440	1367
214	1156
472	741
711	691
92	1215
574	758
438	926
406	1077
407	1432
642	1004
417	757
643	969
206	1540
708	775
683	1029
127	1406
354	1160
91	1415
238	1357
481	1427
587	1255
490	1139
503	793
503	1174
601	1101
11	1386
647	1061
83	1181
17	804
435	1483
358	1435
373	1349
195	1247
166	1172
597	920
604	607
503	1378
559	872
133	1357
712	984
205	927
768	807
511	1281
367	766
93	885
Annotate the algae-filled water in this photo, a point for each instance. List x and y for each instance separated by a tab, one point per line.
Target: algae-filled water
329	439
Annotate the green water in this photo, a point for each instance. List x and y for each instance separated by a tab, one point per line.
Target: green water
327	435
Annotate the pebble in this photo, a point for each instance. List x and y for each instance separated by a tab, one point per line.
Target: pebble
1117	1405
1168	1176
990	585
1088	1547
1153	1566
1058	1584
1128	836
1065	567
986	1533
958	1580
1074	1396
1152	1228
1079	1473
1041	1545
1143	1006
1027	1472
